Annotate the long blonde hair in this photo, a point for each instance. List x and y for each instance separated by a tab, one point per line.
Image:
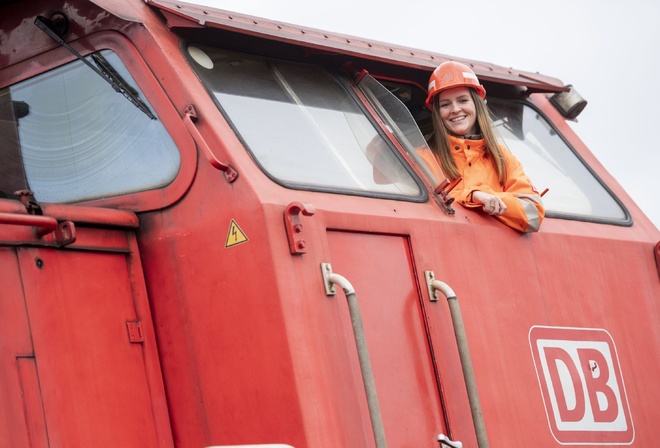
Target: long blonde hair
440	142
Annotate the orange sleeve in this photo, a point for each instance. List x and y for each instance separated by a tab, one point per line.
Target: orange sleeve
525	210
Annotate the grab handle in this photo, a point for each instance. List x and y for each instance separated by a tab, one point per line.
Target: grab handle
446	441
60	233
463	352
189	119
44	224
330	280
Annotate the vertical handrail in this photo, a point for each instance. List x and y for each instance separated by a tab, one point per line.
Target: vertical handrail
362	350
466	361
189	119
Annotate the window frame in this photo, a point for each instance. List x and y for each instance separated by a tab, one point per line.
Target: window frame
152	92
626	221
345	84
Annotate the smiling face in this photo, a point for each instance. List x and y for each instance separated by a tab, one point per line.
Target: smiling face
458	111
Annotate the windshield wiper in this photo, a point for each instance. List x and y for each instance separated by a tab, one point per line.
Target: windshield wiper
106	71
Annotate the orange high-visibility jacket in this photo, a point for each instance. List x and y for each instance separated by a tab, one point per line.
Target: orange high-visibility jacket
525	210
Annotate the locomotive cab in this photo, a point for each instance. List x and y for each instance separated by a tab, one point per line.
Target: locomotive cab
216	230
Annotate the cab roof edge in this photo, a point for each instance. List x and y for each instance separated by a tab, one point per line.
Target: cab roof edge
196	16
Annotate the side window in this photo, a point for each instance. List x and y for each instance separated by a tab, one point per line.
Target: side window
68	136
302	126
573	190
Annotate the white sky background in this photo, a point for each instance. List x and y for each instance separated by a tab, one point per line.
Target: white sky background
608	50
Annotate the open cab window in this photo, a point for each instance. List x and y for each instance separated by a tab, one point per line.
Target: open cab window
68	136
302	126
397	111
573	190
305	130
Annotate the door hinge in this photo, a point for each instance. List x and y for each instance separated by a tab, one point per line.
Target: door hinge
135	335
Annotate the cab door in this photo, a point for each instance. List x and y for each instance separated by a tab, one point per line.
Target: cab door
381	269
78	358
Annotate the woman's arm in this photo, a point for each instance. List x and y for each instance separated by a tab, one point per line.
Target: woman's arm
518	204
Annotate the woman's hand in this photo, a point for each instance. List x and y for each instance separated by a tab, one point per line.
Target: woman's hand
491	204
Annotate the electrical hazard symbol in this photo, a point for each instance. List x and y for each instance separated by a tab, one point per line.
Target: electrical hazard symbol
235	236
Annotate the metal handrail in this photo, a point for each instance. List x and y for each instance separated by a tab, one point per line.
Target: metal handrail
363	353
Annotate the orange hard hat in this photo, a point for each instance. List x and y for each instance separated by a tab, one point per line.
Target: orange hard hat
452	74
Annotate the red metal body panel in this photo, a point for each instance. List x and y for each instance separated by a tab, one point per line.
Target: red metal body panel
79	376
242	345
395	323
17	367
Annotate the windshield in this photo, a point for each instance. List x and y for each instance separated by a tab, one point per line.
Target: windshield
302	126
68	136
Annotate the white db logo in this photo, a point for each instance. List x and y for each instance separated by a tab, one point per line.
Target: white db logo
582	385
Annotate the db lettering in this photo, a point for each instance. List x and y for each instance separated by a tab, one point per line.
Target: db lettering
582	385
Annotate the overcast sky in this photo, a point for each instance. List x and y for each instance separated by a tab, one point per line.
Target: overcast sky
608	50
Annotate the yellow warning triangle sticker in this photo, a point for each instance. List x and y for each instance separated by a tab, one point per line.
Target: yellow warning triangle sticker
235	235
